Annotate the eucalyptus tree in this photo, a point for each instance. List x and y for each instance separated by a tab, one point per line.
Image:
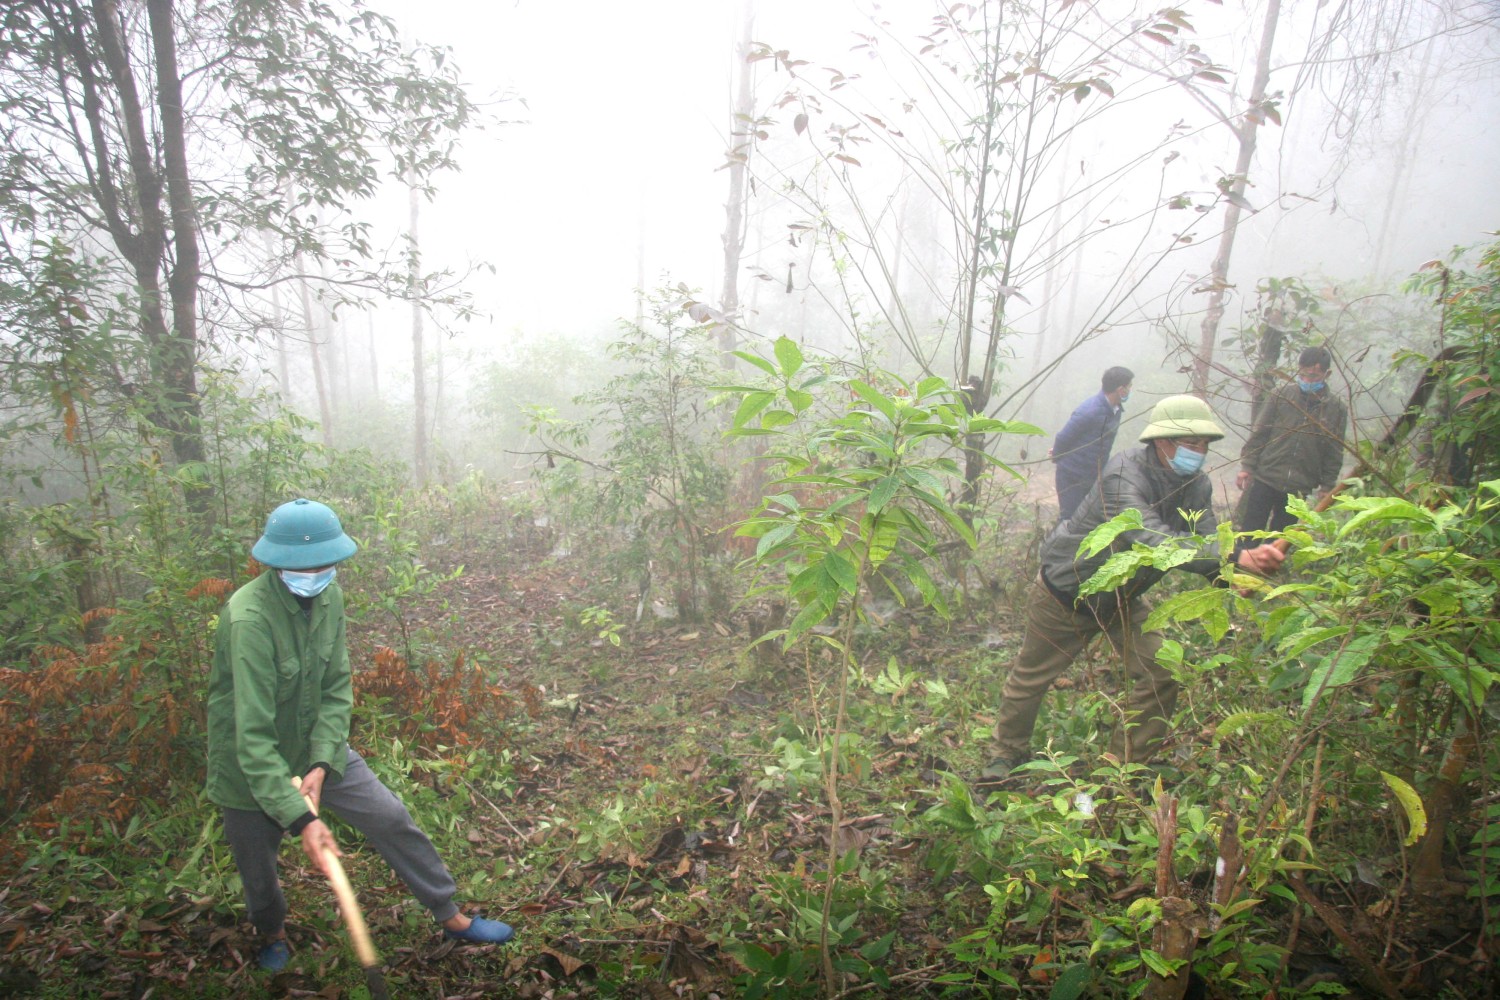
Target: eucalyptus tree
149	139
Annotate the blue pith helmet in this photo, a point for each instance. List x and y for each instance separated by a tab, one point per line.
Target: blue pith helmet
303	534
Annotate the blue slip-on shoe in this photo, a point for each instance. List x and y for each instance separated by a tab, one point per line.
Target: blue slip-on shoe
274	956
483	931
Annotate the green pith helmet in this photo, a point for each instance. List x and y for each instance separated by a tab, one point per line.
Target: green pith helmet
1182	417
303	534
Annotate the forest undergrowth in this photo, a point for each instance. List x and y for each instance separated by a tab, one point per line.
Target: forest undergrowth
644	802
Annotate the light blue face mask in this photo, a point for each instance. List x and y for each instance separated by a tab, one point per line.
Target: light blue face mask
1186	462
308	584
1311	386
1123	397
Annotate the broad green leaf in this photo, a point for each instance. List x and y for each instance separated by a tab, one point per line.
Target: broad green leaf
883	538
757	361
881	493
1205	605
1384	509
751	405
1236	908
1071	982
842	571
929	385
773	538
800	400
789	356
777	419
875	398
1339	668
1250	720
1416	815
1159	965
813	613
1295	645
1101	537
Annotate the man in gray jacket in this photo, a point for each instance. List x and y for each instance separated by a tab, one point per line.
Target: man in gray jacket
1162	480
1296	446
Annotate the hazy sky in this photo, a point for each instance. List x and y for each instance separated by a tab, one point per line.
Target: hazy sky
626	120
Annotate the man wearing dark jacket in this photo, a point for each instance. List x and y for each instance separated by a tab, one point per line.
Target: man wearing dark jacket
1083	445
279	698
1161	480
1296	446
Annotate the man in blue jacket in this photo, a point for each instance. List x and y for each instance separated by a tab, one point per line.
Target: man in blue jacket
1083	445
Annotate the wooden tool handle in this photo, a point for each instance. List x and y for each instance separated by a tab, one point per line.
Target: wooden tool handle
359	933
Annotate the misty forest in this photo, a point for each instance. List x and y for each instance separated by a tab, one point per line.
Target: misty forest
707	503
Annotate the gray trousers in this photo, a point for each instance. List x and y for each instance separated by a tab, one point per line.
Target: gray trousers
362	801
1055	635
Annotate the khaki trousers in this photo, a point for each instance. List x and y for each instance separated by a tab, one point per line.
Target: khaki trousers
1055	635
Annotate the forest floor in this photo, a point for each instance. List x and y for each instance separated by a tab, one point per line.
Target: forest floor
651	818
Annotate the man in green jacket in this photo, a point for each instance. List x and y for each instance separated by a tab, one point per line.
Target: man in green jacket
1296	446
279	697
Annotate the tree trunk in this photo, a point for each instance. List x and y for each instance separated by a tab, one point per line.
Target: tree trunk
320	387
1245	131
418	351
173	350
743	127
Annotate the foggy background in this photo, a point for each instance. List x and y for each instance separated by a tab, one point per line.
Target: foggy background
601	175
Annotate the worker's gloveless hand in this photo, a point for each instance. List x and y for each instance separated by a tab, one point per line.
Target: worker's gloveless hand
1242	479
1263	560
312	787
318	844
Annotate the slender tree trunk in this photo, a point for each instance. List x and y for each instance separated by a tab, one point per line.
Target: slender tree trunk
374	360
1246	131
418	351
743	128
320	387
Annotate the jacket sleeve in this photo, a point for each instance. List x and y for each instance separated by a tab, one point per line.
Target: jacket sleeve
1121	490
256	747
1086	424
330	732
1331	449
1260	434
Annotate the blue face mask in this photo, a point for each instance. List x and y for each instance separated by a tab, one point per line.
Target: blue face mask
1186	462
308	584
1123	397
1311	386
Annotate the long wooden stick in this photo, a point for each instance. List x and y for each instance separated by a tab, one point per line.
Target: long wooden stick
359	933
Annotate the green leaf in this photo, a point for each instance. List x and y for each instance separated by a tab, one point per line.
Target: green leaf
773	538
800	400
929	385
842	571
776	419
874	951
881	493
1248	720
1187	607
1383	509
751	405
1339	668
881	402
1416	815
1302	641
1071	982
1101	537
1159	965
789	356
757	361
